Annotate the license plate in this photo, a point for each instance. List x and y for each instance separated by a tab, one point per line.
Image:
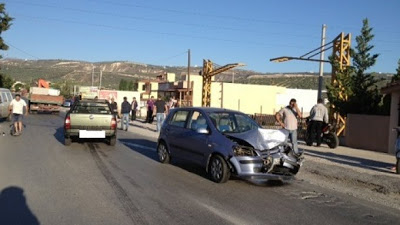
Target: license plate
92	134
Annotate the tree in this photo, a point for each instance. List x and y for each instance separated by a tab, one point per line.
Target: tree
366	97
123	85
6	81
130	86
5	23
396	77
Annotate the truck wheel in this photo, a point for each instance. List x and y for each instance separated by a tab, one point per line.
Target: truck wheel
219	170
112	141
67	141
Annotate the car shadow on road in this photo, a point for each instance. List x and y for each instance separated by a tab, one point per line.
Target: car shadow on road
13	207
351	161
59	135
148	149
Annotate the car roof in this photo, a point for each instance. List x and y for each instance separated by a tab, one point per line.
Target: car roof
93	101
208	109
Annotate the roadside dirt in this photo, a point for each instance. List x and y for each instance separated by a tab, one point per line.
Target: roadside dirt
379	187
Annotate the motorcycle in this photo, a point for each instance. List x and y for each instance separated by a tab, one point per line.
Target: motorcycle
328	136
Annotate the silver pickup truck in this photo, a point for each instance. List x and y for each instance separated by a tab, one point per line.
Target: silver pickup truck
90	119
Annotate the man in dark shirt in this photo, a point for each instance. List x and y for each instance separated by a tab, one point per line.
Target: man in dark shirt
160	107
125	110
114	106
150	110
134	108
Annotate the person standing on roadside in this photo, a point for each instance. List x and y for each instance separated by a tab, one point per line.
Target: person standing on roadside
150	108
134	105
318	116
114	106
289	115
160	109
17	109
125	110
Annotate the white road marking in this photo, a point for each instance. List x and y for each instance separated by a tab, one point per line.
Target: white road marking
139	146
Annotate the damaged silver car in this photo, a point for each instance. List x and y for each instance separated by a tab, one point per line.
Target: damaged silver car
227	142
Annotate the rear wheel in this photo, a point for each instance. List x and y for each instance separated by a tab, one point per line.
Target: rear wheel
219	170
112	141
163	154
67	141
332	140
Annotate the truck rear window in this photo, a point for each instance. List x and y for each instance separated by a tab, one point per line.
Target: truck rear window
91	108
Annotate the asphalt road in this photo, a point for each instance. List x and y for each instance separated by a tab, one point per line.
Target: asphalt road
44	182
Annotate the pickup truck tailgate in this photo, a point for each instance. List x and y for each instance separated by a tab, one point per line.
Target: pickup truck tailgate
90	121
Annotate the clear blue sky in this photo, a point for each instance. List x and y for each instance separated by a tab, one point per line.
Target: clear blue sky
160	32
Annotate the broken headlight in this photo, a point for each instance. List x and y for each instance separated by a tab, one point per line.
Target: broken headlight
240	150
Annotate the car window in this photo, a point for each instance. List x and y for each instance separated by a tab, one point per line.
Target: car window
244	123
179	118
230	122
92	108
4	97
10	98
197	121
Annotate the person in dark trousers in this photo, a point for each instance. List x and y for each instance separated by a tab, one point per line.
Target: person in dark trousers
318	116
160	109
134	105
114	106
125	110
150	108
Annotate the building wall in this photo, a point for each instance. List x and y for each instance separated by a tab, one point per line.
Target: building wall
393	122
367	132
247	98
306	99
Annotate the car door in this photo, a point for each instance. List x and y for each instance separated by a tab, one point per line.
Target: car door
175	133
195	144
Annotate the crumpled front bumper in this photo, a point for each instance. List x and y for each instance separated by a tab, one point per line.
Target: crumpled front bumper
251	167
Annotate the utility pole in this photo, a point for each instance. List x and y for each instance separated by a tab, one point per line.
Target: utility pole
188	79
101	76
92	75
321	64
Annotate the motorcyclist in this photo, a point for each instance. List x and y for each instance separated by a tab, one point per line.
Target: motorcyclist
318	116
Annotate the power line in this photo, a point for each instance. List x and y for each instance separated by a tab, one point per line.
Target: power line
162	20
157	32
26	53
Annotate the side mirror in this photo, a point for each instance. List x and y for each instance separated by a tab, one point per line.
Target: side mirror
202	131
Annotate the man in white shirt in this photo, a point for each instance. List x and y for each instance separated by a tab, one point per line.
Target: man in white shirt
17	109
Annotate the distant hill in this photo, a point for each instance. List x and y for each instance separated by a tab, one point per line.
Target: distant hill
80	72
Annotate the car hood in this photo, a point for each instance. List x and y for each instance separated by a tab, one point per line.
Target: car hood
262	139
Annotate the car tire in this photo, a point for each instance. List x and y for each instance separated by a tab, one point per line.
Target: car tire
163	154
218	169
398	166
67	141
112	141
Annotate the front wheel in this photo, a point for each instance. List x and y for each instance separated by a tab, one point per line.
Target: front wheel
332	140
163	154
219	170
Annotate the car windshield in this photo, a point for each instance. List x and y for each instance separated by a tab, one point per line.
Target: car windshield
92	108
231	122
